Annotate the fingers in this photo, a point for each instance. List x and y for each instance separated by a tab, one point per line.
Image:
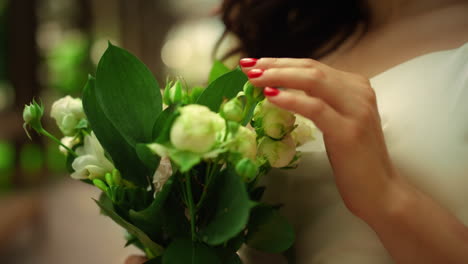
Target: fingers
135	260
267	63
323	115
313	81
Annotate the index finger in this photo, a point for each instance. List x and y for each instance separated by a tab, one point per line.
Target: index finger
268	63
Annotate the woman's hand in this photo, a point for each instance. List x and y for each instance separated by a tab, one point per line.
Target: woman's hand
343	106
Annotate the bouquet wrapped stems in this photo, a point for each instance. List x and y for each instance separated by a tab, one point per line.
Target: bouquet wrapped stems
178	170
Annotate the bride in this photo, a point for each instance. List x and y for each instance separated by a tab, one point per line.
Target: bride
386	83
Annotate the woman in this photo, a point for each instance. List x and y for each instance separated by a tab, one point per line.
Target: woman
386	83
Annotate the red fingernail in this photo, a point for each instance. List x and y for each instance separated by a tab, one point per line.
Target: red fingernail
248	62
270	91
255	73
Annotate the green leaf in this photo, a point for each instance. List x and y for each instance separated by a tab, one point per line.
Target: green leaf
154	261
147	157
151	218
217	70
123	154
184	251
225	87
231	210
155	249
162	126
128	93
234	259
269	231
185	159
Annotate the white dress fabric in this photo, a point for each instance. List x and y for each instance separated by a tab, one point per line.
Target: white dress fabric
423	105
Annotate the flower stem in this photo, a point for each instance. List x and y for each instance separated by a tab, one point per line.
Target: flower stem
47	134
212	169
188	187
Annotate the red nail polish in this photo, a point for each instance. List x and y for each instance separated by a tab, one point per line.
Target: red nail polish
248	62
270	91
255	73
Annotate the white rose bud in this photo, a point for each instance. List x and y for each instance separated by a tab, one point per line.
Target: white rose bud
274	121
279	153
304	131
69	142
245	143
67	112
233	110
197	129
91	162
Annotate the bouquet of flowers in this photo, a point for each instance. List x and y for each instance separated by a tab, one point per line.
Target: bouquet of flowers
178	170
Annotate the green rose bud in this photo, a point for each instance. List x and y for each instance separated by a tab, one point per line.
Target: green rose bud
233	110
245	143
272	120
174	94
101	185
253	92
196	129
247	169
116	177
68	113
279	153
32	115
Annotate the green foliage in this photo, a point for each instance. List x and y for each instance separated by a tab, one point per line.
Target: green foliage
147	157
269	231
154	248
231	210
184	251
159	219
225	87
217	70
129	95
122	153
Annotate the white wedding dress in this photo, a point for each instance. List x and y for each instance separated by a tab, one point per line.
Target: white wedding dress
423	105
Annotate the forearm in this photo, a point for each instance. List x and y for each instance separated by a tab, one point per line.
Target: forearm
415	229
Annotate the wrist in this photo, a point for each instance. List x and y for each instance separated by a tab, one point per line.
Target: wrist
394	205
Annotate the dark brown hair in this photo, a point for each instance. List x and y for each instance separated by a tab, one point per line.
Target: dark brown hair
292	28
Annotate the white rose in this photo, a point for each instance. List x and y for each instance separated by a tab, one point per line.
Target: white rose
245	143
274	121
162	174
197	129
279	153
67	112
69	142
304	131
91	162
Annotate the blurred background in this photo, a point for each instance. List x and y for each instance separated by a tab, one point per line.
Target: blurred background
47	49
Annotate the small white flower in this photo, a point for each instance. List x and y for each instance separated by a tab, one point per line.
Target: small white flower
279	153
69	142
162	174
91	162
67	112
245	143
304	131
197	129
274	121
